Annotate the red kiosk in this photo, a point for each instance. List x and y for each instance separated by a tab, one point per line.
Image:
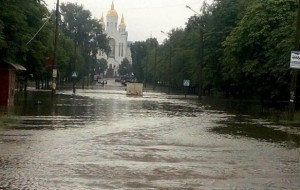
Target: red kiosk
8	72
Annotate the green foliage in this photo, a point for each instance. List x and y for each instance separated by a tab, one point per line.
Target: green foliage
21	20
258	49
246	45
138	53
87	34
18	23
101	66
246	49
143	58
125	67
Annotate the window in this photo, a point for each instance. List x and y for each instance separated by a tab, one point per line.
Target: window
122	49
112	44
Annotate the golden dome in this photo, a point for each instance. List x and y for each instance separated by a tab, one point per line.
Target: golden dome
112	12
122	24
101	21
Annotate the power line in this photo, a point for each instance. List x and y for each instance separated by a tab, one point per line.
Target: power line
39	29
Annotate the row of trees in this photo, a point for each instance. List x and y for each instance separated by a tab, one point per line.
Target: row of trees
80	38
234	47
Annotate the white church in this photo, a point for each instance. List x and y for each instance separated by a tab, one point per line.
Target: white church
117	35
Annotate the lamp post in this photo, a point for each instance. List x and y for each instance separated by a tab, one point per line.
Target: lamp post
201	59
192	10
170	62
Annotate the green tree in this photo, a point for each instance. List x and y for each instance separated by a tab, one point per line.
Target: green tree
87	34
125	67
218	20
101	66
138	52
256	53
19	21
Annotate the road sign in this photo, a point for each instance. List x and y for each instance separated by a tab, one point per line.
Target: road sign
74	75
186	82
54	74
295	60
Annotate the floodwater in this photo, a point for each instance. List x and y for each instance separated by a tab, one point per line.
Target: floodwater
103	139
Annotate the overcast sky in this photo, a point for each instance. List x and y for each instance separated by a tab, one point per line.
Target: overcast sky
143	18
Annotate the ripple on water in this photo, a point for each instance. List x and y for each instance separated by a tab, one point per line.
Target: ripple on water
105	140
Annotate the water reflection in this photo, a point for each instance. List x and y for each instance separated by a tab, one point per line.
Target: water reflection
102	139
246	127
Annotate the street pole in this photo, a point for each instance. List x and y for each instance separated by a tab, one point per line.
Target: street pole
54	66
294	71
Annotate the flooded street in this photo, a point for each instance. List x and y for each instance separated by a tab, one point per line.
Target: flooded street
103	139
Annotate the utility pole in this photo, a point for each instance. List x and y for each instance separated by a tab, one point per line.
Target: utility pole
54	66
295	71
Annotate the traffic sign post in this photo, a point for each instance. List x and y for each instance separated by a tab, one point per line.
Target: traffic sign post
74	75
294	65
295	62
186	82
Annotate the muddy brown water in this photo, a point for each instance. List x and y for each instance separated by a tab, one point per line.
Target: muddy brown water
103	139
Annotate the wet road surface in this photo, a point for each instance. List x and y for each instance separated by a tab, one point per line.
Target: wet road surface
102	139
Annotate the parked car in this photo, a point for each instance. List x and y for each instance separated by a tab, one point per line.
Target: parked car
126	78
101	82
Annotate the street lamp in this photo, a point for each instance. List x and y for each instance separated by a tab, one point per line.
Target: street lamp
201	52
170	61
192	10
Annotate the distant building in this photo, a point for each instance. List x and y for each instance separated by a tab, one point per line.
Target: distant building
118	42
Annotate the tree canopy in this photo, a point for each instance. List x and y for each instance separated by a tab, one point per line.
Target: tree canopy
246	49
21	20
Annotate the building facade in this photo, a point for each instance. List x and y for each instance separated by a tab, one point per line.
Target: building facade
118	41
